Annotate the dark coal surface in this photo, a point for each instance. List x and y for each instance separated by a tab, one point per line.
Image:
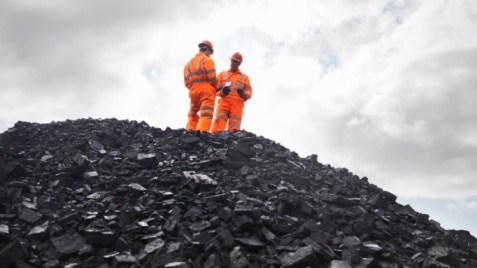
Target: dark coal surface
112	193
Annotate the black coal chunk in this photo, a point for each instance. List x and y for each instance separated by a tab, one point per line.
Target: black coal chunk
119	193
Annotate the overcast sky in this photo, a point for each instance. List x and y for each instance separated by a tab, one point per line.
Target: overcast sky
386	89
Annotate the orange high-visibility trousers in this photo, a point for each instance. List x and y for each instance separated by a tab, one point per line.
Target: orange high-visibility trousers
228	114
202	103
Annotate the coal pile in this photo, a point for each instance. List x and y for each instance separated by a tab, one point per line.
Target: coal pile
116	193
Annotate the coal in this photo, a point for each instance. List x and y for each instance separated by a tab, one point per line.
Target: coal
120	193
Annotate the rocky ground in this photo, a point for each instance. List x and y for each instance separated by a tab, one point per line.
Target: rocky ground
112	193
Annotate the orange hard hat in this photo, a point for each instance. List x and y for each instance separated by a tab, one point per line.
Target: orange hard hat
207	43
237	56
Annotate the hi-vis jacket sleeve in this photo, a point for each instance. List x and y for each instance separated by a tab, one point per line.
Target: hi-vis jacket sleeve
247	87
219	83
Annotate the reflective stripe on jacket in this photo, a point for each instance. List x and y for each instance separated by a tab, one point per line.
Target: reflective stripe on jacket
200	69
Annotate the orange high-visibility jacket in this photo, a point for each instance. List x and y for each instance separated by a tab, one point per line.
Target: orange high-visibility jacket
200	69
238	80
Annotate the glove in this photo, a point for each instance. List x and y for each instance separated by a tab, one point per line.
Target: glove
225	91
241	93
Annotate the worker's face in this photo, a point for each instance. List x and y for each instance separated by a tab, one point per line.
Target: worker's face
234	65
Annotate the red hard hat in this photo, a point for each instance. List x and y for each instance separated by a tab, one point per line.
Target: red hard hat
237	56
207	43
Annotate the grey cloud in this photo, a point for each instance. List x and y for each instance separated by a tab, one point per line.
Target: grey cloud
441	90
54	44
417	133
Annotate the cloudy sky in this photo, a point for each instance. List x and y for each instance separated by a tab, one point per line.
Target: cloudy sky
386	89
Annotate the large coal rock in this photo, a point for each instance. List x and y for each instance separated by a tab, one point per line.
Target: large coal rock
111	193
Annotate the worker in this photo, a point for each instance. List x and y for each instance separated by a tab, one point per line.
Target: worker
234	89
200	79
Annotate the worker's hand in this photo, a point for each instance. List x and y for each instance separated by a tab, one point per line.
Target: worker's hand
225	91
241	93
220	86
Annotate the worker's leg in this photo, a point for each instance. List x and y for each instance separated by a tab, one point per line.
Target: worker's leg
206	109
221	116
193	117
235	116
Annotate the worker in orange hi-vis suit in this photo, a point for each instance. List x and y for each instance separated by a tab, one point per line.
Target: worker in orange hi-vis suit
234	89
200	79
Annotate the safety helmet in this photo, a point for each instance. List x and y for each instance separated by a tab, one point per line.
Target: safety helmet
237	56
207	43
